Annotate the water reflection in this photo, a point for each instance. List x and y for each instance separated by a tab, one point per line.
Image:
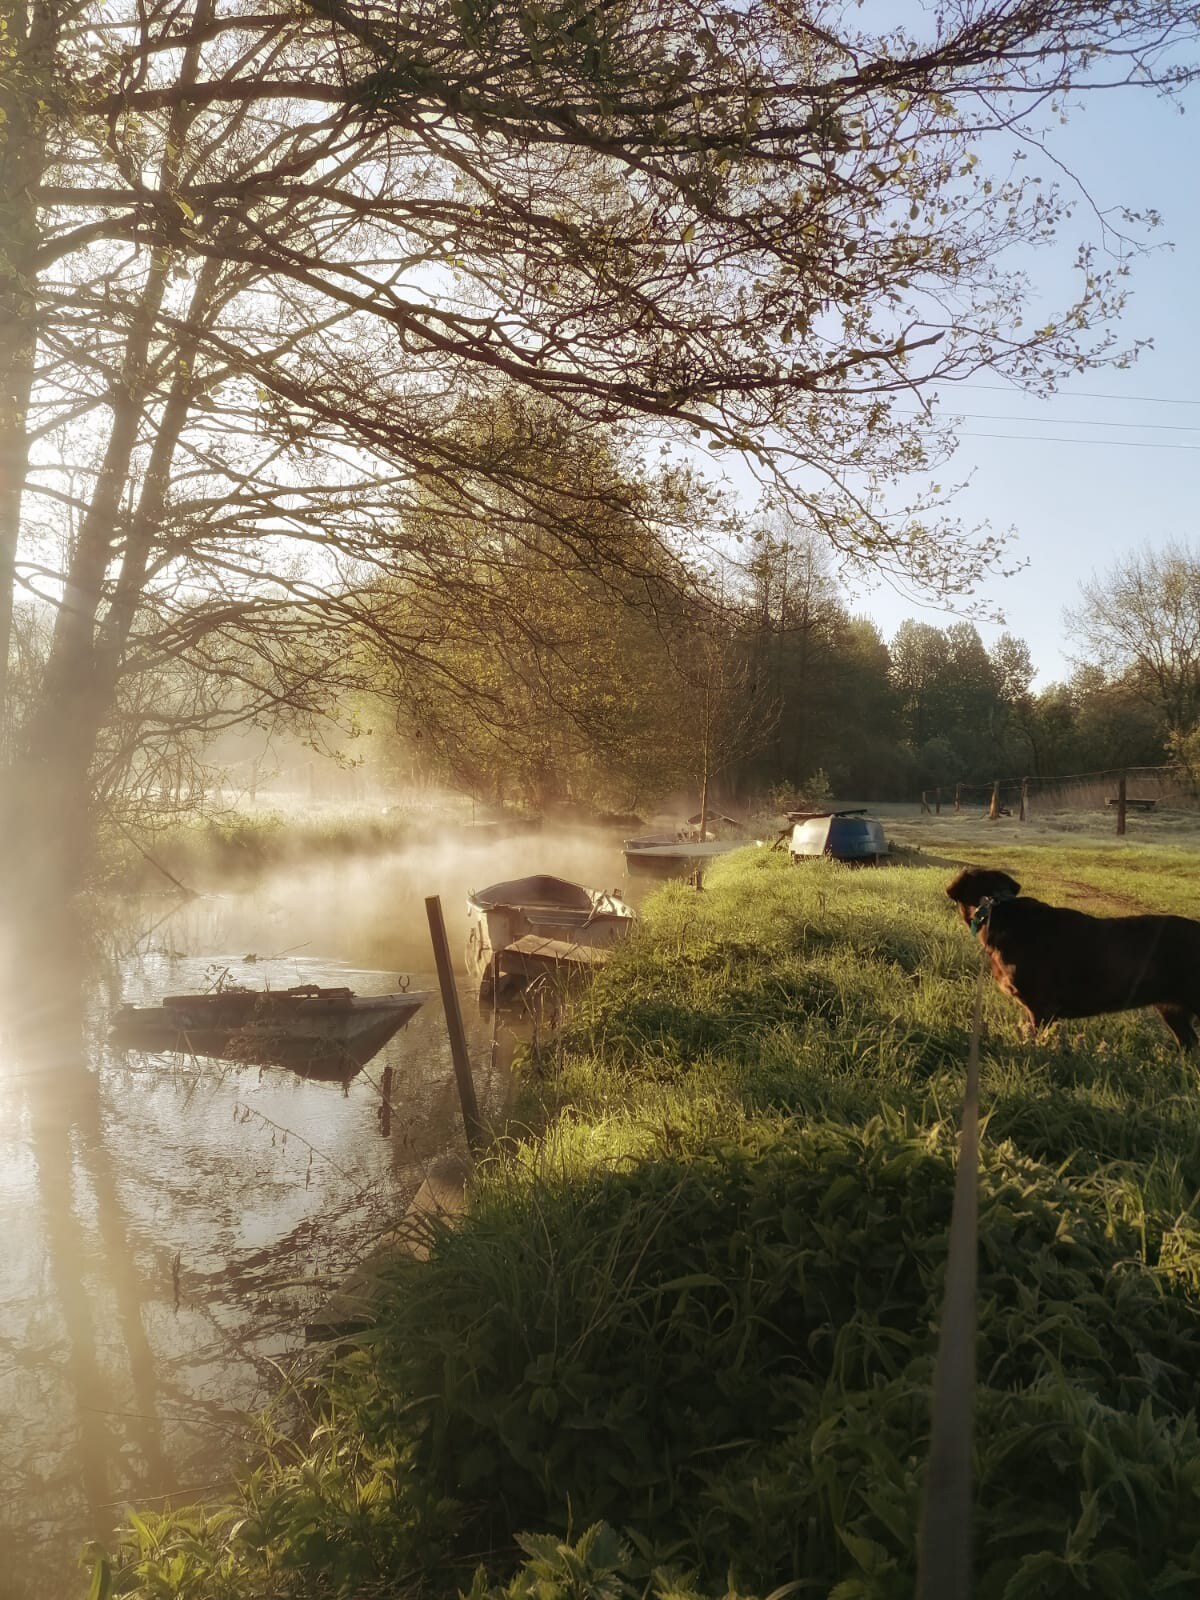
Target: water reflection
170	1222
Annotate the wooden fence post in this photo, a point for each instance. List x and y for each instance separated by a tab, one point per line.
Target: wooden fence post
937	800
957	798
994	808
454	1023
924	800
1121	804
1024	799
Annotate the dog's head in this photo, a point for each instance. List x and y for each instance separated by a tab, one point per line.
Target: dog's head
974	884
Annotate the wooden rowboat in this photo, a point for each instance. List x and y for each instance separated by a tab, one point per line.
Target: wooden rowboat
552	909
322	1032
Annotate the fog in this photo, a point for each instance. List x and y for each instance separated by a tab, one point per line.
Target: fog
171	1222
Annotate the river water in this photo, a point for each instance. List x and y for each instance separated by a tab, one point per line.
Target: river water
168	1223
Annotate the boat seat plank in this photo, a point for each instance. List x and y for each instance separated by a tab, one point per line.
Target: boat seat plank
532	951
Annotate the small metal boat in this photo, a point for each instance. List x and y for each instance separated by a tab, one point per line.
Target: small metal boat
841	835
552	909
322	1032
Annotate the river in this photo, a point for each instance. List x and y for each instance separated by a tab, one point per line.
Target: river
168	1223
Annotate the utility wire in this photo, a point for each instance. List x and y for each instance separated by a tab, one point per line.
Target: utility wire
1142	399
1060	422
1054	438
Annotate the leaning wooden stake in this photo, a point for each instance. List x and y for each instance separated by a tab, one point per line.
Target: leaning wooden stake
454	1023
1121	804
944	1537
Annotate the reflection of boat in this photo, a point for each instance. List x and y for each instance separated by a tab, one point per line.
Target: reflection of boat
324	1032
843	835
551	909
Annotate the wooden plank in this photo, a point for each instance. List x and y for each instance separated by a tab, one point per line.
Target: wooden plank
535	954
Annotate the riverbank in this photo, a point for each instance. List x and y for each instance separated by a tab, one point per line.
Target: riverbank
237	845
696	1301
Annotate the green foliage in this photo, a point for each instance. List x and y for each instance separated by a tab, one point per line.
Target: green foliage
548	668
697	1317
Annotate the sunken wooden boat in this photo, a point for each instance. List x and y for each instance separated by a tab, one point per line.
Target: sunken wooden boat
573	926
323	1032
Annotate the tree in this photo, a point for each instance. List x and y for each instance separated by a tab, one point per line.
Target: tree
258	265
920	667
522	675
798	616
1141	625
1050	728
1115	726
724	712
870	760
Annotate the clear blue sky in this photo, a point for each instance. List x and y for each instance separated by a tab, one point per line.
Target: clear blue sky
1077	507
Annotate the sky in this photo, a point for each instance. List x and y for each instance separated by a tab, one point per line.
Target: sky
1112	463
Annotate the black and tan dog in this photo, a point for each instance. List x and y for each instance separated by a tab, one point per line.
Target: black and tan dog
1061	963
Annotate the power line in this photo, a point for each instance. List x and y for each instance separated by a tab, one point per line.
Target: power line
1056	438
1066	422
1142	399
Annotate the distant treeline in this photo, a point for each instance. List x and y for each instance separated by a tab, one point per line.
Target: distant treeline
778	692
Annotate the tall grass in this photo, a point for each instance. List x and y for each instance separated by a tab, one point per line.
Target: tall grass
682	1343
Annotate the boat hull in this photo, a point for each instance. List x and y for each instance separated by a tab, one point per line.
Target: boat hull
549	909
317	1036
671	858
855	839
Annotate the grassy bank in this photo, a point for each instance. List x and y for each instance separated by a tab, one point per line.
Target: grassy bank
700	1309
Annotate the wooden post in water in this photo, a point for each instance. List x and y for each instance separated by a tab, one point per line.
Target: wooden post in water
1024	799
1121	804
495	1013
994	808
957	798
454	1022
385	1102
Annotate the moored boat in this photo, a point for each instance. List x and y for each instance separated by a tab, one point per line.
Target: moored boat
553	909
841	835
675	857
325	1032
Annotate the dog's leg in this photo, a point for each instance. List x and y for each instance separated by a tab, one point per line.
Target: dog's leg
1179	1020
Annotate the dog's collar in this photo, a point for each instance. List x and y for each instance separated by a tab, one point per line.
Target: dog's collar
984	909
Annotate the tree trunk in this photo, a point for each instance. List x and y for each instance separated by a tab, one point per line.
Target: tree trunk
705	758
31	36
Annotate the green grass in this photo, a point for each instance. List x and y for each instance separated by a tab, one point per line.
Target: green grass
682	1344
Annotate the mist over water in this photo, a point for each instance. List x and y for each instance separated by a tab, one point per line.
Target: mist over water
169	1223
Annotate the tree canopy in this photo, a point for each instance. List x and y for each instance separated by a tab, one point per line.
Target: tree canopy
259	263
